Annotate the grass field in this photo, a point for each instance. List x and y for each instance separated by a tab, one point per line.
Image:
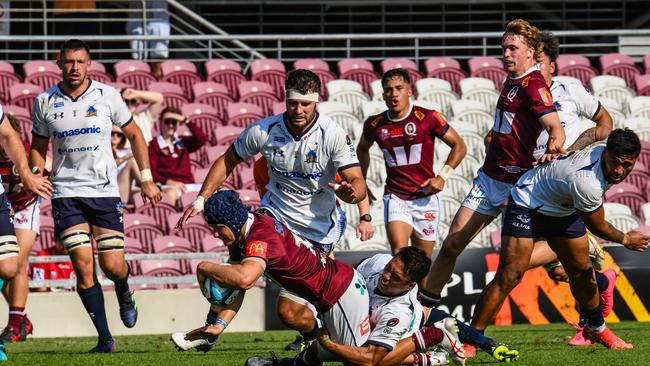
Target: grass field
539	345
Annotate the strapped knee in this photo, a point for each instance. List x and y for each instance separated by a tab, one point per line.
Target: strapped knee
109	242
75	239
8	246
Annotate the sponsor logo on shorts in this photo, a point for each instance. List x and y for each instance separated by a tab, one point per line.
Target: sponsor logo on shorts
256	248
523	219
78	149
392	322
92	130
429	230
431	215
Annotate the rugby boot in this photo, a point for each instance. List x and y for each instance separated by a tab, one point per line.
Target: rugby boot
607	338
128	309
104	346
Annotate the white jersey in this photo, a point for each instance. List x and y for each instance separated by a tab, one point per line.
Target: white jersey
559	188
300	168
391	318
80	129
573	102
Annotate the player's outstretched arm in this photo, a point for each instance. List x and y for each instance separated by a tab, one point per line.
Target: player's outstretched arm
602	130
226	313
363	356
150	190
596	223
353	187
237	276
15	150
219	172
365	229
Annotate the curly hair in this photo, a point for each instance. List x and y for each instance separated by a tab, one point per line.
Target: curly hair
624	142
550	45
302	80
530	34
416	263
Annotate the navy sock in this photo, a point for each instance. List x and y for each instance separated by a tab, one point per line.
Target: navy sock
593	318
211	318
466	333
122	286
93	300
312	334
601	281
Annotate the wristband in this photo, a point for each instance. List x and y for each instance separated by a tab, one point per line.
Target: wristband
145	175
626	240
445	172
198	203
325	341
223	323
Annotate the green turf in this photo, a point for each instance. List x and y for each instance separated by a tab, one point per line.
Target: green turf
539	345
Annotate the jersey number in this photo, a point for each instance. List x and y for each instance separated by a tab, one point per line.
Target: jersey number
401	158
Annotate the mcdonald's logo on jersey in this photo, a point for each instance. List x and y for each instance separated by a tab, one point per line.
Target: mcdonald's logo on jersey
256	248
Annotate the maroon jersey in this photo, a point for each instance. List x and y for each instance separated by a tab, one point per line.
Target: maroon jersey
294	263
516	126
19	198
408	146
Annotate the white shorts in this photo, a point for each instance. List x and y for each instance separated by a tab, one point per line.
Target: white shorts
347	321
423	214
29	218
487	196
155	49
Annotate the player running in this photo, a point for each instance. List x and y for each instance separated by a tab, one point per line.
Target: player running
78	114
261	245
556	201
406	134
525	108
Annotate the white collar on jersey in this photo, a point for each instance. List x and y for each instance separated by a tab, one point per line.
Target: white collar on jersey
249	223
536	67
163	144
403	118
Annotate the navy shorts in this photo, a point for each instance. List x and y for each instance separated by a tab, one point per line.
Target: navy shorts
522	222
6	217
104	212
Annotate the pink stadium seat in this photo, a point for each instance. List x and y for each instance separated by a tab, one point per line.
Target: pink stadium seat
23	95
495	238
250	197
201	174
159	213
243	114
23	116
567	60
226	72
642	84
193	231
644	157
135	73
246	180
7	78
42	73
46	208
639	176
646	64
576	66
279	108
487	67
211	244
171	244
205	116
445	68
46	237
269	71
172	93
162	268
212	153
133	246
214	94
182	73
398	62
627	194
320	68
142	227
97	71
258	93
359	70
618	64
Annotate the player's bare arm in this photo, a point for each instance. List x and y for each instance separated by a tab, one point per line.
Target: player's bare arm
363	356
458	151
226	313
556	137
353	187
596	223
237	276
219	172
150	190
15	150
603	128
38	152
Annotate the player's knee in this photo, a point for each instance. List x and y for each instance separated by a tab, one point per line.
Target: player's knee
509	278
451	248
584	273
9	268
9	250
110	242
75	239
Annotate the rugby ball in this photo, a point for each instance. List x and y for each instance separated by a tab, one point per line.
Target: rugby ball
216	294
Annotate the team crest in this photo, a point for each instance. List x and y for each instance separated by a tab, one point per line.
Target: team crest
410	129
120	208
419	115
91	112
558	106
524	83
513	93
311	157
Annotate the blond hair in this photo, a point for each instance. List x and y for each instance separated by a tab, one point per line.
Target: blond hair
531	35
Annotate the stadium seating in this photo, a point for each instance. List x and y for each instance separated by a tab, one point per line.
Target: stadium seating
142	227
348	92
489	68
620	216
226	72
445	68
344	115
376	91
171	244
46	235
193	231
473	112
242	115
639	107
246	179
474	141
271	72
211	244
480	89
23	116
371	108
279	108
627	194
564	79
213	152
250	197
45	74
159	212
320	68
97	71
258	93
23	95
358	70
398	62
576	66
438	91
646	64
182	73
615	109
640	126
172	93
618	64
7	78
611	87
642	84
134	73
214	94
205	116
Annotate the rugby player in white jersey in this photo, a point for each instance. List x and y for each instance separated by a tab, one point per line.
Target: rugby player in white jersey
558	201
15	151
78	115
304	150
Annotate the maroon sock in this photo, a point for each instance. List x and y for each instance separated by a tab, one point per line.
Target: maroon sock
426	338
16	315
